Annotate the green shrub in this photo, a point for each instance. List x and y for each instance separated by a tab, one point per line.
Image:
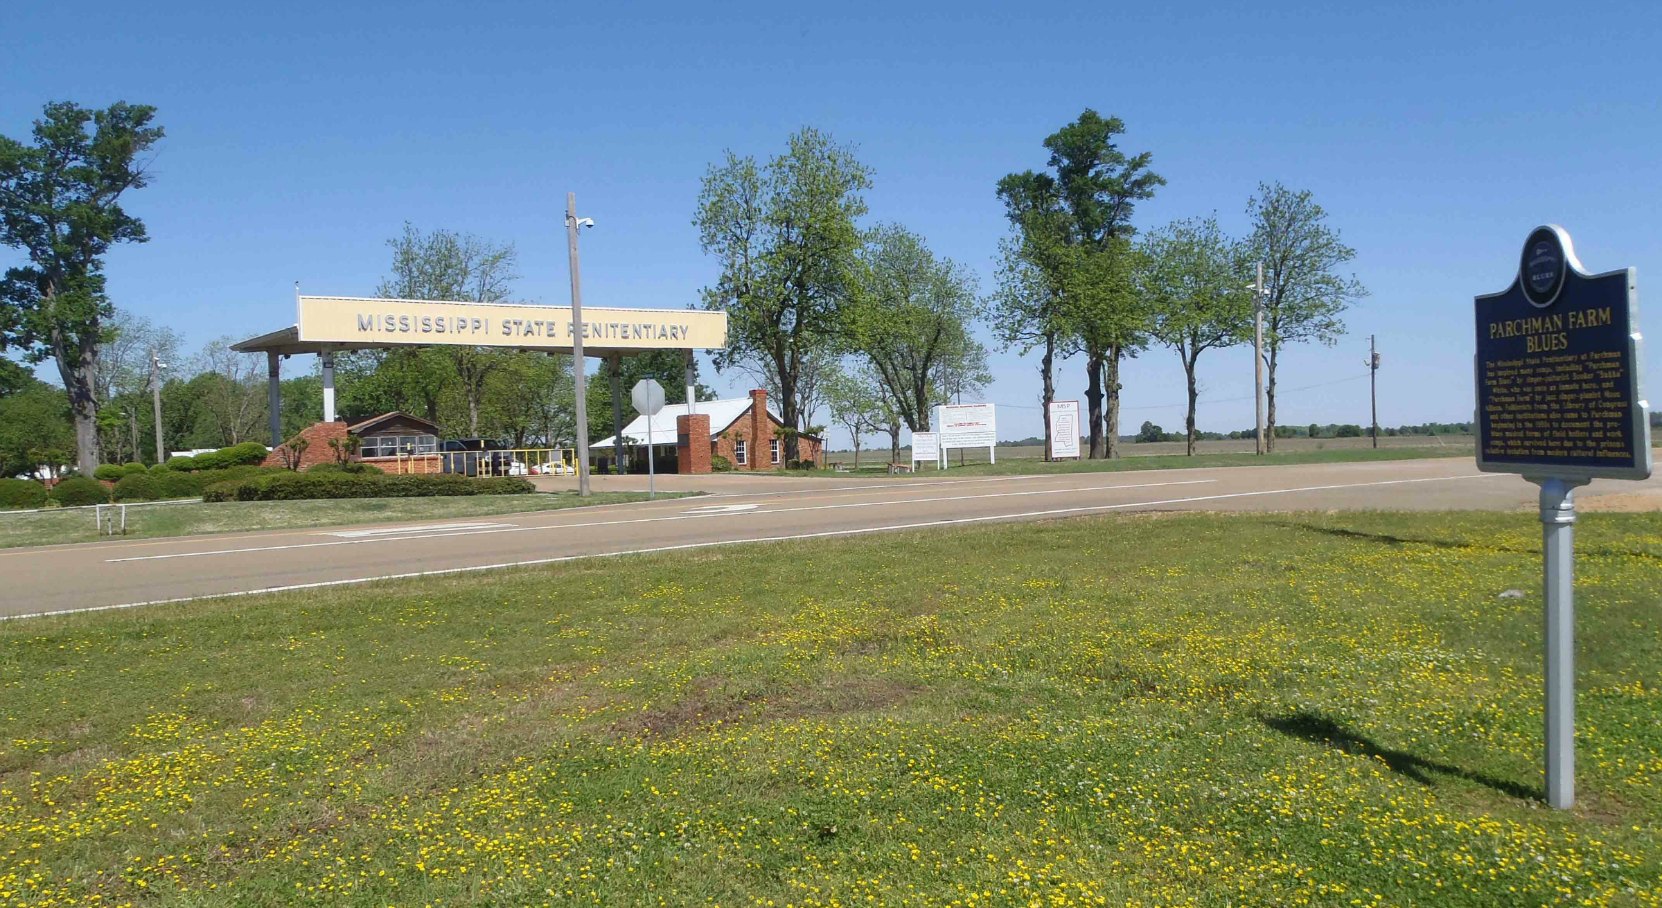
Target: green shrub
720	463
182	462
158	469
79	491
287	486
22	493
133	468
108	472
137	487
249	453
343	468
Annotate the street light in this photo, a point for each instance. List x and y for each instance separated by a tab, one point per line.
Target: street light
579	380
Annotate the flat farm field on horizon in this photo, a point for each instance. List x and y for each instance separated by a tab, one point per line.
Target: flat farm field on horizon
1140	710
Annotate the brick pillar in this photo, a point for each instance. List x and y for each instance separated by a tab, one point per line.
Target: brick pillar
317	450
761	431
692	443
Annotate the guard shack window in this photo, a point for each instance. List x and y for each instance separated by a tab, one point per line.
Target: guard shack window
773	450
739	452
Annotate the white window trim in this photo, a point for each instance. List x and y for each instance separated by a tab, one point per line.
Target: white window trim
740	452
773	450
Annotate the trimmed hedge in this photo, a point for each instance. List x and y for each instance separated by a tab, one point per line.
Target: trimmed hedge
247	454
22	493
155	486
79	491
287	486
132	468
182	462
108	472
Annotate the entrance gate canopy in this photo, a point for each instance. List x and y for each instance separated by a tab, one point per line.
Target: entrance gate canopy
326	325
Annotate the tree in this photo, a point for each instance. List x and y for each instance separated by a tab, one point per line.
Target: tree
60	203
1150	432
443	265
1193	279
35	430
784	235
1068	221
1027	313
231	403
122	383
856	405
1304	293
910	318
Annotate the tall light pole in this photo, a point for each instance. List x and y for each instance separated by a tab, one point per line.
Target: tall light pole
1258	354
579	380
156	367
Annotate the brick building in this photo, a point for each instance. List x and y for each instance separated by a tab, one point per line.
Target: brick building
743	430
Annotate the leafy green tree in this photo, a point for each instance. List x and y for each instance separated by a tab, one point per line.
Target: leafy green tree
856	404
1027	314
1305	295
1071	218
1150	433
14	377
1192	277
444	265
910	318
785	238
35	430
60	202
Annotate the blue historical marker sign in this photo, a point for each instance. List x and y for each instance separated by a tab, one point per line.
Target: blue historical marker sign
1558	390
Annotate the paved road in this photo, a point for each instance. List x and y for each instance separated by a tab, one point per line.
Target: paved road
123	573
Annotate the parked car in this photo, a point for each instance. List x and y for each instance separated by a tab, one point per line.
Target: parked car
476	457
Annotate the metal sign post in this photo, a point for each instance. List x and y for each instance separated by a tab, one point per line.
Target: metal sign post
1559	401
648	398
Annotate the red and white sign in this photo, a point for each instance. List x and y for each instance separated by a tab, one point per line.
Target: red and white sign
967	426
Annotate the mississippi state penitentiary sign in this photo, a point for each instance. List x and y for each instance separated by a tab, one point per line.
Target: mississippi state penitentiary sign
1558	390
390	322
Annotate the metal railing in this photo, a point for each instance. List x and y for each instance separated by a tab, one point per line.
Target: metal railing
506	462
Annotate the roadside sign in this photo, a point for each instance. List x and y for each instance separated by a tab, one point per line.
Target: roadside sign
1064	429
1559	401
967	426
926	447
1558	370
647	396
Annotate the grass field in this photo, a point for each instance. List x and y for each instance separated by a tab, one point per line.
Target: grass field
1184	709
192	518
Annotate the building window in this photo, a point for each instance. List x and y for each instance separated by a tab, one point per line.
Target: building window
773	450
739	452
394	445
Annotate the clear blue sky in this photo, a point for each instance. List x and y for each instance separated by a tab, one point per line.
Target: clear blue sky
301	136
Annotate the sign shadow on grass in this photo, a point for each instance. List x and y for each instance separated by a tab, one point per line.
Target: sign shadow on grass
1319	729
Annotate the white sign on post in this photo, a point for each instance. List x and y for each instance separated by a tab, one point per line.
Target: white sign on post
926	448
966	426
648	398
1064	429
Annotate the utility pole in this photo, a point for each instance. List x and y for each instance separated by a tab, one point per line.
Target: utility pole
1373	387
1258	355
156	366
578	378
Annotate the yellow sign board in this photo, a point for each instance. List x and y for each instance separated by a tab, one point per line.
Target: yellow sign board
370	322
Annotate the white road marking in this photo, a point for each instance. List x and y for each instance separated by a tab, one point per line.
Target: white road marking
433	527
687	516
710	509
858	531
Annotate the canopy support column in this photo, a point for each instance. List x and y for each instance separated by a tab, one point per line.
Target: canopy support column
274	395
614	370
328	357
692	392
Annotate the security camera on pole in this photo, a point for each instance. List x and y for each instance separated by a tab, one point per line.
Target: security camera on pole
579	378
648	398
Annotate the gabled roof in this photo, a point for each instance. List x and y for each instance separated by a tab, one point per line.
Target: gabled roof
722	413
374	422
